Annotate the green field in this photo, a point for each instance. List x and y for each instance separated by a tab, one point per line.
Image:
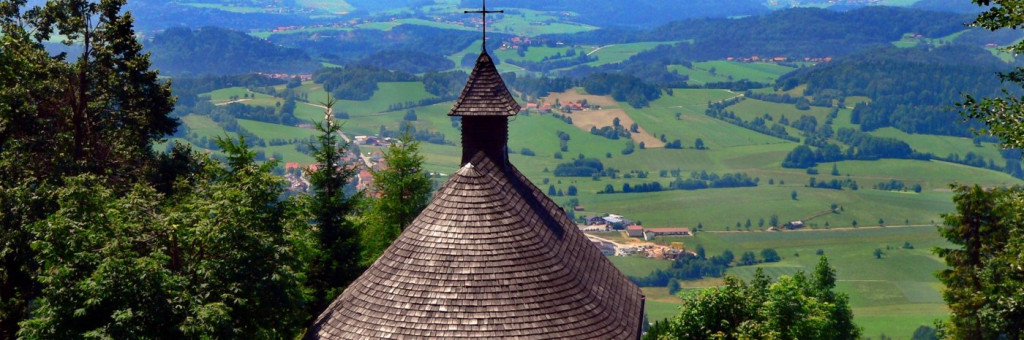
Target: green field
723	71
893	295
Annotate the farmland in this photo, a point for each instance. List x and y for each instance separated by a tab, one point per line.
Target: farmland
846	225
899	286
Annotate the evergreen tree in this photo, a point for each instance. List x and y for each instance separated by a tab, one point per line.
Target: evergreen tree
337	258
981	284
404	190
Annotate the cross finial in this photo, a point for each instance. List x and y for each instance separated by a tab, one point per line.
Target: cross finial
483	12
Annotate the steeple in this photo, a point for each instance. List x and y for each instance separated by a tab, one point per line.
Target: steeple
485	105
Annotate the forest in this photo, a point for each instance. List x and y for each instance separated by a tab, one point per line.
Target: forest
912	89
183	52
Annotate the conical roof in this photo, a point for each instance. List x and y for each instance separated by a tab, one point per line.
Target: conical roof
485	93
490	256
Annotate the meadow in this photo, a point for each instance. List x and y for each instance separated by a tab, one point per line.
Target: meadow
892	295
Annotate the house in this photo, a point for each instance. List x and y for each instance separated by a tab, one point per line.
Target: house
592	220
794	225
578	208
650	234
594	227
292	166
606	248
635	231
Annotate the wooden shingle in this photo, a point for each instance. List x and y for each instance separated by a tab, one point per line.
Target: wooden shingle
499	265
485	93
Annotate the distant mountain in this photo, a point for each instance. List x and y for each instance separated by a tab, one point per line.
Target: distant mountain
155	15
955	6
641	13
182	52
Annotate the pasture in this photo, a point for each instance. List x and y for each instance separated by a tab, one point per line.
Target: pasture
892	295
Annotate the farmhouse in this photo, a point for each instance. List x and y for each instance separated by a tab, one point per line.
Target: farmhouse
593	219
794	225
650	234
490	257
635	231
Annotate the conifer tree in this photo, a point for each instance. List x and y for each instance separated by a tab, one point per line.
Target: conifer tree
336	263
403	190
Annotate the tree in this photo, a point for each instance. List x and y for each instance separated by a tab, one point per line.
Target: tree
794	307
770	255
774	220
793	195
1000	114
748	258
336	262
98	113
981	284
878	253
403	189
220	258
673	286
699	144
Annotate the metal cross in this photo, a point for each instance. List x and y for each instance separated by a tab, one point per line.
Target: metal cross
484	12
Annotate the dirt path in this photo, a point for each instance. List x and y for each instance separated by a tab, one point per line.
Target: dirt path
232	102
598	49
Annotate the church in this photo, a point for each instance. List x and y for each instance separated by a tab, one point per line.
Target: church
490	257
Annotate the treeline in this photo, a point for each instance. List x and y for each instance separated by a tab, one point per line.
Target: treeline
911	89
349	46
697	181
183	52
795	33
586	167
555	62
621	87
407	61
759	124
357	82
634	13
696	266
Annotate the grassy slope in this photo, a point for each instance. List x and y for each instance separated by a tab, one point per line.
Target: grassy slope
900	286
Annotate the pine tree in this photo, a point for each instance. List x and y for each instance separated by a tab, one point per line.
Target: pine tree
336	263
404	190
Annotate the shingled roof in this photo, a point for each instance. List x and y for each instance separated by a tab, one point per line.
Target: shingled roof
491	256
485	93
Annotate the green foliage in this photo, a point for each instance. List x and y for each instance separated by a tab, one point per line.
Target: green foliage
94	112
336	261
794	307
403	190
984	279
220	258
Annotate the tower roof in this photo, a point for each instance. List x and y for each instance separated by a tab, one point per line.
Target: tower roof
485	93
490	256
